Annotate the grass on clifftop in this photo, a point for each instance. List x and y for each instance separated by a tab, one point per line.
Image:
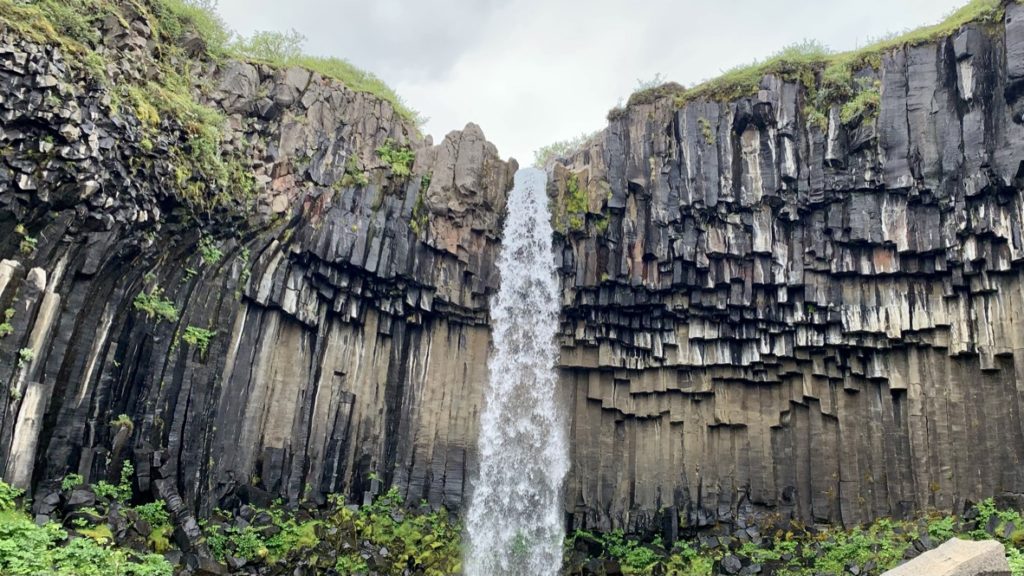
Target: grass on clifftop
802	61
284	49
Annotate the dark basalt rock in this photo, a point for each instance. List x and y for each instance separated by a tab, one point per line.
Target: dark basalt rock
761	318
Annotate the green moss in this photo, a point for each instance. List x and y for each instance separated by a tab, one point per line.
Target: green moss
354	174
122	421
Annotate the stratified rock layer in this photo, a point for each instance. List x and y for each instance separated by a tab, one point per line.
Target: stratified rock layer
762	316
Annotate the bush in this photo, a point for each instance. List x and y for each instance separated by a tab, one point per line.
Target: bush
154	305
399	158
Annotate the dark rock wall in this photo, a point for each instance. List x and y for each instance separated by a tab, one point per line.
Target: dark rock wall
761	316
349	346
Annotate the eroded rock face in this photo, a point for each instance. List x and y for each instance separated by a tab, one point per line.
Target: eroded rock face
348	346
761	316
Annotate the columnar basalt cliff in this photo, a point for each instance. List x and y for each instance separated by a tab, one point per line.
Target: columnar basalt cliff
763	313
322	331
767	315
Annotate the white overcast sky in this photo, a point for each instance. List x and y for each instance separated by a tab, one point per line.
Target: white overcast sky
531	72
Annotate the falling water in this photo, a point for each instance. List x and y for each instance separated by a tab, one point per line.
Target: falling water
515	521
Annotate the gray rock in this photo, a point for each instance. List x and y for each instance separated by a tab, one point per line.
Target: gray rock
958	558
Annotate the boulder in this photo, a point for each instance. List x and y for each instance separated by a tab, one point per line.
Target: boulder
958	558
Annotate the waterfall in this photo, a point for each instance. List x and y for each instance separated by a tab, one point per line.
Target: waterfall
515	520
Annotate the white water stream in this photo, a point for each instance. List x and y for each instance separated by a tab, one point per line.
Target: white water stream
515	520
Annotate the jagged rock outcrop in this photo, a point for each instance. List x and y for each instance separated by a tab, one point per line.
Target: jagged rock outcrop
761	316
317	340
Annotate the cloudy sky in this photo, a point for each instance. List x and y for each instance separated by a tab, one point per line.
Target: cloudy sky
531	72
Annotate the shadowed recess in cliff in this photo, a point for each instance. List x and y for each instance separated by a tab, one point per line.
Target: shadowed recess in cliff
514	519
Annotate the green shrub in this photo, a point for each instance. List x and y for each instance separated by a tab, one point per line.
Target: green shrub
561	149
71	481
122	492
199	338
399	158
209	251
26	356
154	305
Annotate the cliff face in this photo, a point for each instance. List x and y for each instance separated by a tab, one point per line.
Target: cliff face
764	316
324	331
760	315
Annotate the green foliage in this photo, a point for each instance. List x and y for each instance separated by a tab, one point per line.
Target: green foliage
576	204
25	356
633	557
399	158
179	17
28	549
1015	557
268	46
209	251
865	104
71	481
283	50
420	214
6	328
9	496
420	543
352	563
706	131
942	529
122	492
28	243
561	149
154	305
354	175
198	338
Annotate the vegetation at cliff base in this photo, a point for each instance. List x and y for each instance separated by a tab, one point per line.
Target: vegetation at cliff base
50	549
